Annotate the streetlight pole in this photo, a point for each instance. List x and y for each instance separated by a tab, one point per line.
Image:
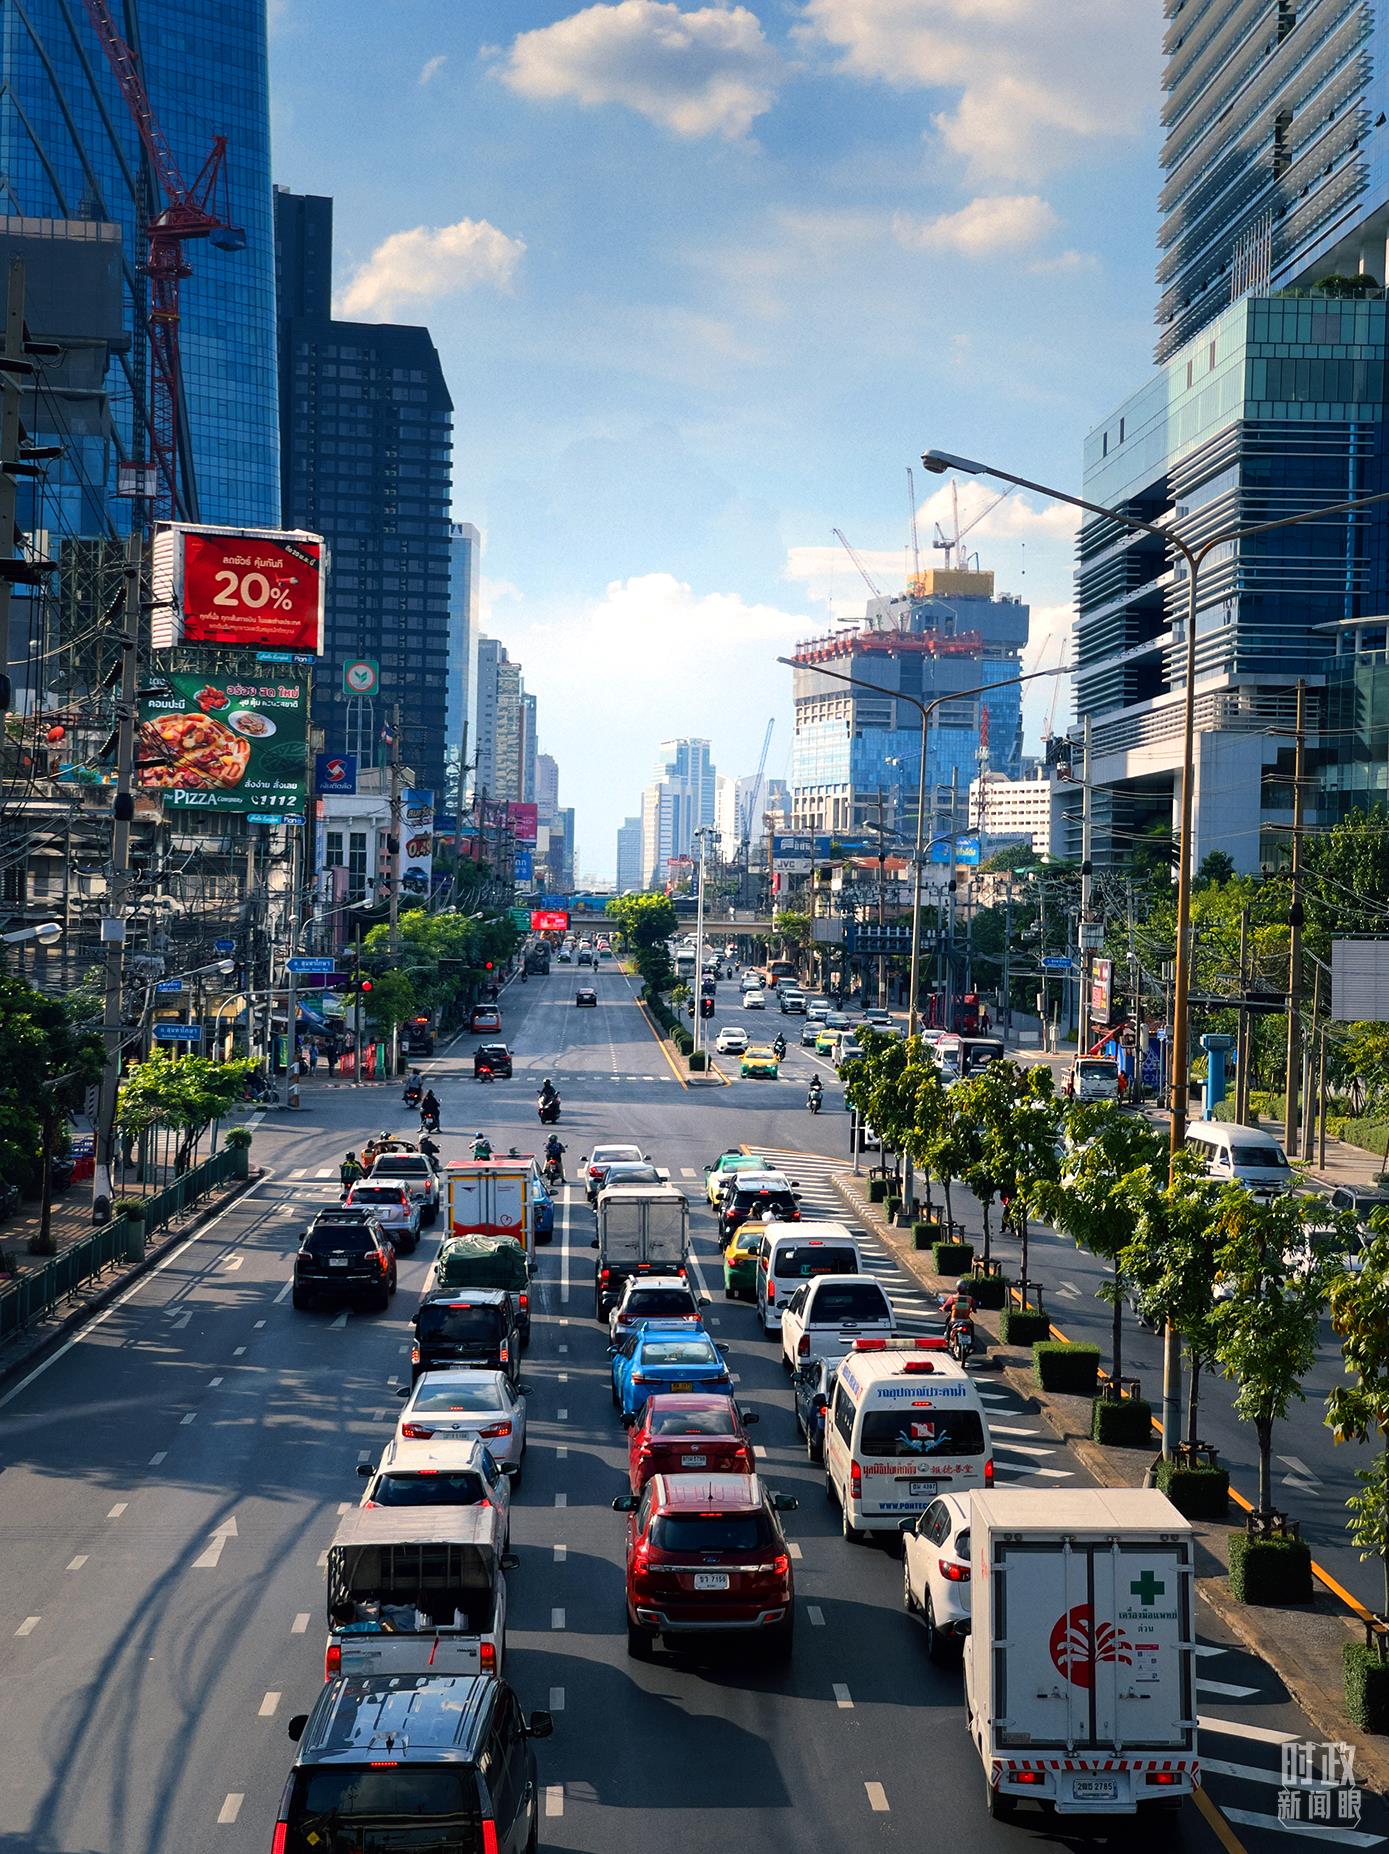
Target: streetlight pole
1195	556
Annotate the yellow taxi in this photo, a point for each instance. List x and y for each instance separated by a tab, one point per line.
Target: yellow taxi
740	1260
761	1060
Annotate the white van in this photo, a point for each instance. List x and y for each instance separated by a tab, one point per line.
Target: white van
788	1262
1242	1155
906	1425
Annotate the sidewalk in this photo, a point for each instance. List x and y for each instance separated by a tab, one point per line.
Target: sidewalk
1301	1645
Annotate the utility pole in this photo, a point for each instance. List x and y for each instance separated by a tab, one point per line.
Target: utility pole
393	848
1243	1039
882	911
113	921
11	392
1294	1052
1086	839
1006	1009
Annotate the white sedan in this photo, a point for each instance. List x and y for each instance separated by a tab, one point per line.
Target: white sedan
935	1573
731	1041
754	1001
464	1473
459	1406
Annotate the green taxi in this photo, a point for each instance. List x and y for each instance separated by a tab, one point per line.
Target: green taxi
724	1166
740	1260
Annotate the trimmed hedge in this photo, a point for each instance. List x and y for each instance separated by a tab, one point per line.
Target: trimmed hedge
1197	1493
1367	1687
1270	1571
699	1059
988	1292
923	1235
877	1190
893	1206
1061	1366
1019	1327
953	1258
1121	1422
682	1039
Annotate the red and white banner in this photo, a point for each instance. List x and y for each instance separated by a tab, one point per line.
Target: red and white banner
260	588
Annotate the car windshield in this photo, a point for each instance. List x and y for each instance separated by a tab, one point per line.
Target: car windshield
495	1052
1268	1158
680	1352
472	1394
715	1420
627	1172
701	1532
429	1488
400	1168
340	1239
461	1325
910	1433
806	1259
613	1155
856	1300
339	1809
651	1303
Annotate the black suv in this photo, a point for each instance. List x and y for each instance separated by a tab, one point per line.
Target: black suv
445	1759
495	1056
470	1326
344	1255
770	1202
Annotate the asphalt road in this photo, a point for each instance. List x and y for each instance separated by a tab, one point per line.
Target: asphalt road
169	1482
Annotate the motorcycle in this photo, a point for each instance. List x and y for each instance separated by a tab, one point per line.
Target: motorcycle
483	1072
813	1100
959	1338
429	1120
548	1111
412	1095
554	1172
779	1046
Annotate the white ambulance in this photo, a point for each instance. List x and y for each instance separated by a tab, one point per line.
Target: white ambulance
906	1423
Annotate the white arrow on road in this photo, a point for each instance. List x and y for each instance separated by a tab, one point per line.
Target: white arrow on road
210	1557
1301	1476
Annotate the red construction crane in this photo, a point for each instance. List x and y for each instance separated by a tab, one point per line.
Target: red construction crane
200	211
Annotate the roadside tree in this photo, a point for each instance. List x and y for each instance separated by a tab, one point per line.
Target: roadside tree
185	1093
1359	1411
1169	1256
47	1063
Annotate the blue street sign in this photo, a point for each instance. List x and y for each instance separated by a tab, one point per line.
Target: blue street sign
169	985
523	866
177	1033
1055	962
305	963
224	946
270	817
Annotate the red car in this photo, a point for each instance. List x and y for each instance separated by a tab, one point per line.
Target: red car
689	1432
706	1554
485	1017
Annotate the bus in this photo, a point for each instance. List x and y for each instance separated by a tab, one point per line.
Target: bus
780	970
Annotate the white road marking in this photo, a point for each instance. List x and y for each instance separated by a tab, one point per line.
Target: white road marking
1217	1689
999	1429
234	1262
29	1624
327	1174
562	1453
1348	1837
301	1172
1023	1448
155	1460
841	1697
180	1322
562	1413
794	1549
300	1624
256	1328
1251	1773
118	1509
816	1615
341	1321
556	1699
283	1294
1300	1469
564	1377
561	1553
561	1499
556	1618
268	1705
189	1416
688	1171
344	1506
210	1557
78	1562
230	1809
759	1450
1260	1734
212	1383
554	1799
877	1798
564	1348
564	1245
1038	1474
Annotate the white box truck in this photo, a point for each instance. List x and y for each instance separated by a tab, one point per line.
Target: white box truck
492	1197
1080	1665
642	1230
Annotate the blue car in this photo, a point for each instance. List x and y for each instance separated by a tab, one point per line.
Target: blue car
812	1387
544	1210
675	1357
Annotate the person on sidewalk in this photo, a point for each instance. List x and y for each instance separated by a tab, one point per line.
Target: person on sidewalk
313	1059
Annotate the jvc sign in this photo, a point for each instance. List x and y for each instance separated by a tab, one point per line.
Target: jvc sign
793	855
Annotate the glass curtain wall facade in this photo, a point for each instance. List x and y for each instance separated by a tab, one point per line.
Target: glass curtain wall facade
69	150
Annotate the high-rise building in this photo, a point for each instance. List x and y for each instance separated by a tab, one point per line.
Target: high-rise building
366	460
509	740
529	749
726	814
546	787
70	151
630	874
854	748
490	654
1276	158
679	802
460	715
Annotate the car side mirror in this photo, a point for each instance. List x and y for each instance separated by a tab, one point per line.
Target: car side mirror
749	1417
646	1158
612	1351
295	1728
583	1158
365	1470
625	1503
628	1420
509	1468
784	1503
510	1561
722	1350
403	1390
540	1725
904	1526
703	1300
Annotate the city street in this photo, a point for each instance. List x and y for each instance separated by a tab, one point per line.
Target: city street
171	1480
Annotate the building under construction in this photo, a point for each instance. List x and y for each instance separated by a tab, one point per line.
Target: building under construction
856	759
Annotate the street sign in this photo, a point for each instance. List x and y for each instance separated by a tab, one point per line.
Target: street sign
178	1033
169	985
1055	962
303	962
224	946
1092	934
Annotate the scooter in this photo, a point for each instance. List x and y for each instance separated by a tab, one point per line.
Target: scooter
548	1111
959	1339
412	1095
482	1073
429	1123
554	1172
813	1100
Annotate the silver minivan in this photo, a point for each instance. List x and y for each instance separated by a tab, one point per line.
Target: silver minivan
1234	1154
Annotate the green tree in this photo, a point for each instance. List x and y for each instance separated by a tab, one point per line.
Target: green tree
792	927
47	1063
1016	1114
1217	866
186	1093
647	923
1359	1411
1271	1259
1170	1257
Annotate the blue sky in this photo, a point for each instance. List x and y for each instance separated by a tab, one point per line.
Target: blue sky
705	280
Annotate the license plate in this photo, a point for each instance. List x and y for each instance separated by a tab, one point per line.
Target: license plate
685	1385
1094	1789
337	1261
694	1461
923	1487
711	1580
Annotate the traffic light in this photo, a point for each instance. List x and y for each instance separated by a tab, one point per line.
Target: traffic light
487	965
367	987
706	1007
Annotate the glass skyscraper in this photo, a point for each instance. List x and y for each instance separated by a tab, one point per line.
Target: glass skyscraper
69	150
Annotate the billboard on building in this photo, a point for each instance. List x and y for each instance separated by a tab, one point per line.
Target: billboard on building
416	859
258	588
523	866
226	743
549	920
1102	988
793	855
336	773
524	821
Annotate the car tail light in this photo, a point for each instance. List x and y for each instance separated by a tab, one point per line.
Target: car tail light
781	1565
277	1844
952	1572
1034	1777
595	1171
603	1276
489	1835
855	1481
496	1429
414	1355
332	1662
505	1353
487	1657
384	1260
989	1472
640	1378
525	1302
803	1349
1163	1777
771	1288
416	1432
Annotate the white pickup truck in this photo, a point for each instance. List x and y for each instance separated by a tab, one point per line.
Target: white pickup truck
1080	1664
415	1590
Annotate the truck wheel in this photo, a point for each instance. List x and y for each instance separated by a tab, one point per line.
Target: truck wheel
639	1643
999	1806
852	1534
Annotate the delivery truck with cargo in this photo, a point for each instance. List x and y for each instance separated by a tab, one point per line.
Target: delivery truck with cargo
492	1197
1080	1665
642	1230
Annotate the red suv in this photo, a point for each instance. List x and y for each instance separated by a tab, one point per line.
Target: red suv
705	1554
689	1432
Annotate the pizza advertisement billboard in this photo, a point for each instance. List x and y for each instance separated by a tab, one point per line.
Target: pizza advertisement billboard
220	742
260	588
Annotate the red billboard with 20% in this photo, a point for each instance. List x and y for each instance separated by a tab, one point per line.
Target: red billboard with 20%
262	588
549	920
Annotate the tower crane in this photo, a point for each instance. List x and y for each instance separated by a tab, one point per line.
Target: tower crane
750	808
202	210
864	574
954	553
911	510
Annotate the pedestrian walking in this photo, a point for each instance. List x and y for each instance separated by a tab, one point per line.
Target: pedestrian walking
313	1058
331	1058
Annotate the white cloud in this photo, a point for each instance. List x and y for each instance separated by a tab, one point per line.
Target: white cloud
709	71
831	578
1026	101
1063	263
412	269
1014	516
996	222
432	67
